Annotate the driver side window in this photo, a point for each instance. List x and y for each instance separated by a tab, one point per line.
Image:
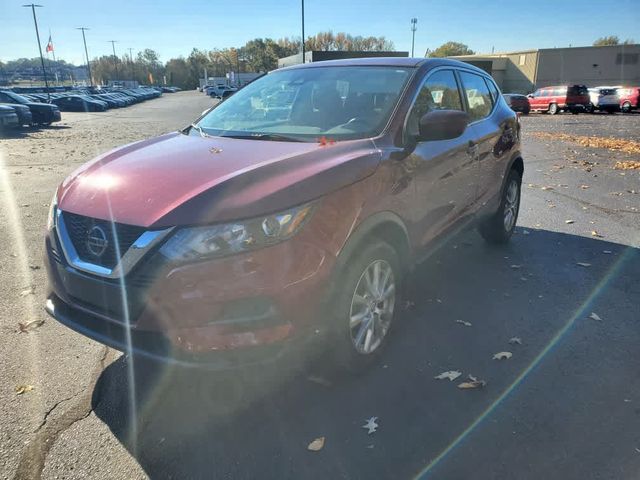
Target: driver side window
438	92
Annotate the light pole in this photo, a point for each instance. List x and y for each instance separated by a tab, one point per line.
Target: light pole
35	22
302	31
86	52
115	59
414	27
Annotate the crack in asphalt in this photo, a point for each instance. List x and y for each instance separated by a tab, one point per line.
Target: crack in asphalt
33	456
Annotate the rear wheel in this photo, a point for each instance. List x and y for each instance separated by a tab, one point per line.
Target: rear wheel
364	305
499	227
626	107
553	109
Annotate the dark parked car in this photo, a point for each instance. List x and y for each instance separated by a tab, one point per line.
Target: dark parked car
8	117
517	102
240	240
79	103
42	113
23	112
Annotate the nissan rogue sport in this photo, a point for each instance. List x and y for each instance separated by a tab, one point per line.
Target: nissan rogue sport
290	212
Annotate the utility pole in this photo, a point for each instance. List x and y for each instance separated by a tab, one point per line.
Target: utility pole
414	27
115	59
35	22
133	65
86	52
302	31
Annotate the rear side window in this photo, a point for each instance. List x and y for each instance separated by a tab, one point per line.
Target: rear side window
495	93
438	92
478	96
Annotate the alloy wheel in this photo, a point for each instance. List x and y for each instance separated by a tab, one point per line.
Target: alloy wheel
372	307
510	205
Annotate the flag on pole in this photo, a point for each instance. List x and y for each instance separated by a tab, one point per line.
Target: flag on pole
50	45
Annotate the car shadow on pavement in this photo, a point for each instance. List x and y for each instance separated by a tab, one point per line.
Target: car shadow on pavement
555	409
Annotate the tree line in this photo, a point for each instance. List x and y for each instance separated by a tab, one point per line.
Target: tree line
257	55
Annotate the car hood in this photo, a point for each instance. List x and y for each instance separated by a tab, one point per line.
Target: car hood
17	107
179	179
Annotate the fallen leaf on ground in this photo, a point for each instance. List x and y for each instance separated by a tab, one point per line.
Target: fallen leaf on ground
316	445
583	264
28	291
34	267
617	144
547	188
409	304
594	233
515	340
627	165
462	322
584	187
568	221
451	375
319	380
502	356
595	316
472	383
25	327
371	425
20	389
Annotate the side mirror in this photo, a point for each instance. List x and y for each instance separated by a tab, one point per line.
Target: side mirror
530	95
442	125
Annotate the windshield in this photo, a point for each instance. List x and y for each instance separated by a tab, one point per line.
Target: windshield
17	98
337	102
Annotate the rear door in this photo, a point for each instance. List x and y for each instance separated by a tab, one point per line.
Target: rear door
488	132
444	171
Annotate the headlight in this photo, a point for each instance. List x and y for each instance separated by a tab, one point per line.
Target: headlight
52	211
199	243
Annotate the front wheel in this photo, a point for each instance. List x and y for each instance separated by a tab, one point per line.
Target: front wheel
498	228
364	305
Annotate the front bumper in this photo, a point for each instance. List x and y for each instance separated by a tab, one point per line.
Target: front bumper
243	309
9	120
154	345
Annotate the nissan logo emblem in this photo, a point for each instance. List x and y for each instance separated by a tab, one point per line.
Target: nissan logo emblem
97	241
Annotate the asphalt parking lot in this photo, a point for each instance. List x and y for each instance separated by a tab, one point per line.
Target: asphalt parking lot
566	405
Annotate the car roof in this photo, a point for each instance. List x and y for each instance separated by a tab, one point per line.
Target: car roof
406	62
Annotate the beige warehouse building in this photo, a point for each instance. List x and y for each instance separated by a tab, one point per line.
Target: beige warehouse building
524	71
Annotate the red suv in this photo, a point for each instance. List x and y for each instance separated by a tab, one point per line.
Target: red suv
289	212
572	98
629	98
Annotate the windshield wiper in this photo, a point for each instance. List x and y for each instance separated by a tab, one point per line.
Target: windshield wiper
198	128
266	136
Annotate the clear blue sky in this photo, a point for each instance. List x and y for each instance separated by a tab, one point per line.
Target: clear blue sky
174	27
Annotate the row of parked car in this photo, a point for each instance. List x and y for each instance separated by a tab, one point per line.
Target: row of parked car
576	99
37	108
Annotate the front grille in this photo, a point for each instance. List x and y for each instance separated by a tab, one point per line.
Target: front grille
79	227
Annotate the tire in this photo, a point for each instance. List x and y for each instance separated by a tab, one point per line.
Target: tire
352	344
497	229
590	108
625	107
553	109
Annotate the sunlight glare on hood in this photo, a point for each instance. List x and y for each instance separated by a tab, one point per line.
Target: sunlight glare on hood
100	181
